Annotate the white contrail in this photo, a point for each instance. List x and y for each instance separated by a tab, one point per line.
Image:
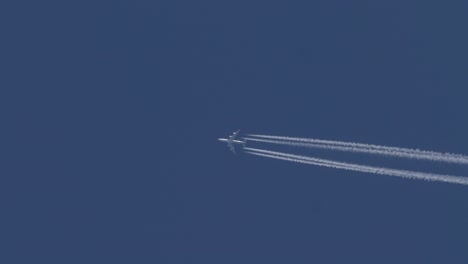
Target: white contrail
364	148
383	152
357	167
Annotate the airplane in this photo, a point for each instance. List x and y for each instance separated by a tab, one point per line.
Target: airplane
231	141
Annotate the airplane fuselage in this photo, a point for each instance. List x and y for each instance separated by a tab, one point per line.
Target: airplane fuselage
231	141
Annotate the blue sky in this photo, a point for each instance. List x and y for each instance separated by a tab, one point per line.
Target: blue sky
111	110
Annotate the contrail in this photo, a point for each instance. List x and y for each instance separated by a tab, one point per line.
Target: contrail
357	167
344	148
363	148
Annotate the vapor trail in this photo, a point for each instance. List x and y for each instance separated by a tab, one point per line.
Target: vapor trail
363	148
357	167
348	148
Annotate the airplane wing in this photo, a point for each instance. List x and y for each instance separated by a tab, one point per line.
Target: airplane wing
234	134
231	147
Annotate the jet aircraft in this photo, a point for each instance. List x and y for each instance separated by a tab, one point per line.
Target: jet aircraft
231	141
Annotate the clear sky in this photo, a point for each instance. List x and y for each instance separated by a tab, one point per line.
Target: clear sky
110	111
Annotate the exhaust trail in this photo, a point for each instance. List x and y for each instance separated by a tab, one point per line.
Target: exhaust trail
362	148
382	152
356	167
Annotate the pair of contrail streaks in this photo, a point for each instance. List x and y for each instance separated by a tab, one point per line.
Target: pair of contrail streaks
362	148
358	167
